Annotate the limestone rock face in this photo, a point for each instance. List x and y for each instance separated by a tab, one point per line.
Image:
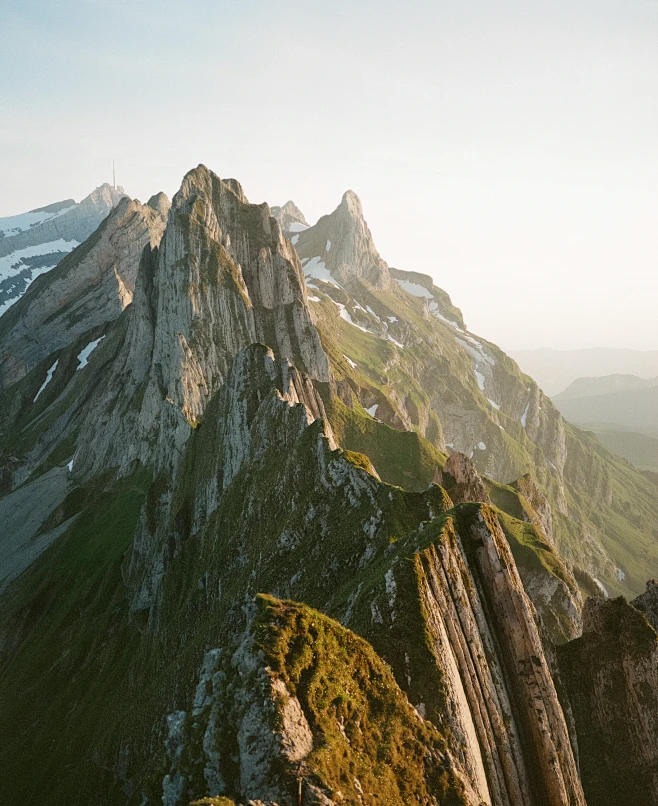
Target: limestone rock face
223	278
611	678
539	503
495	680
89	288
34	242
342	241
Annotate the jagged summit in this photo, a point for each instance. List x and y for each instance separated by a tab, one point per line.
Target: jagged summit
352	203
160	203
290	217
342	243
225	569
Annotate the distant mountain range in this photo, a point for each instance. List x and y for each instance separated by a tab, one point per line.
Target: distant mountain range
554	370
621	409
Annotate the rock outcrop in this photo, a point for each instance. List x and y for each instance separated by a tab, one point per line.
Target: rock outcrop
647	603
461	480
611	679
315	713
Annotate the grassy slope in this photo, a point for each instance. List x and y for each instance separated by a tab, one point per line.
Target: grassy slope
340	680
641	450
67	651
607	498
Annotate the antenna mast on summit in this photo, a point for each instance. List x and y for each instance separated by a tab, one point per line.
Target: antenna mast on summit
114	176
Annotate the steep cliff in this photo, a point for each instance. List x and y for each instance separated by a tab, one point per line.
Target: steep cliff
611	678
227	434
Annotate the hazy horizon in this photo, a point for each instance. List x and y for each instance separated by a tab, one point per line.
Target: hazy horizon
508	152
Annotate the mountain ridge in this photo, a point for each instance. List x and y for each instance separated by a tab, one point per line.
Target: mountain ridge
293	514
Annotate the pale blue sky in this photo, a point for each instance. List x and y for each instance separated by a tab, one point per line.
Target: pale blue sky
507	148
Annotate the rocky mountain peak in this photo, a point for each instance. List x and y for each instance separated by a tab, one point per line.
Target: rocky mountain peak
160	203
352	204
90	286
460	478
343	243
104	196
288	215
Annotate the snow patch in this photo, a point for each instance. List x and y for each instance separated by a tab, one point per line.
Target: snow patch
294	239
12	225
495	405
49	377
480	358
83	356
328	246
434	310
17	264
315	299
396	343
349	361
524	416
70	465
345	314
297	226
481	446
479	377
392	318
415	289
316	269
373	410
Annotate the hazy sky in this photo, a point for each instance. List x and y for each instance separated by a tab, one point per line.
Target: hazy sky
509	149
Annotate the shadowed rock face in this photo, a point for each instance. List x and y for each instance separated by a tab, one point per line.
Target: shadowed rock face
611	678
647	603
